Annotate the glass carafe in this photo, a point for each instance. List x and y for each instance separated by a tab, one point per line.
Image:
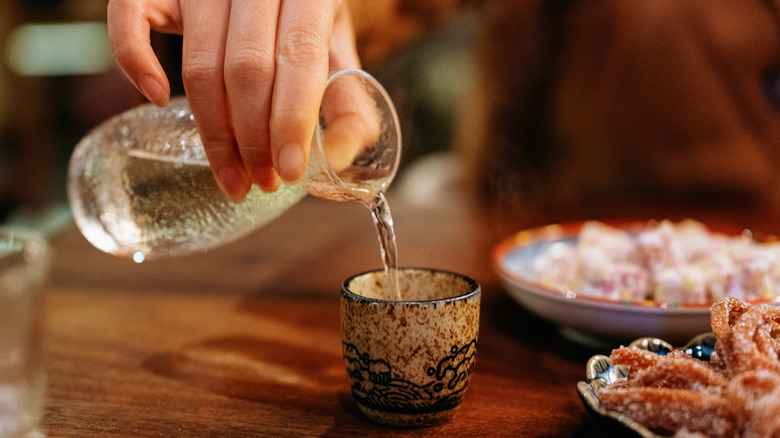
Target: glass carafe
140	185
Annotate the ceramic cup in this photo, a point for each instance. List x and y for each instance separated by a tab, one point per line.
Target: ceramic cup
409	362
23	268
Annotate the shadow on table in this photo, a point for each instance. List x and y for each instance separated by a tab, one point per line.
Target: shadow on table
308	386
251	369
504	317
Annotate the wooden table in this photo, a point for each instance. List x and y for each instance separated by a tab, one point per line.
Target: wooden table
244	340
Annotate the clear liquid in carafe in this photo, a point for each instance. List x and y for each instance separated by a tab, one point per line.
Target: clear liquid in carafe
145	205
140	184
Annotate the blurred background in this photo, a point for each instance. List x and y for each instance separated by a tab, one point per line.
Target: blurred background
536	107
57	80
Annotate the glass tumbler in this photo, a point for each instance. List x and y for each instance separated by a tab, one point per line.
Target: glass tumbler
24	263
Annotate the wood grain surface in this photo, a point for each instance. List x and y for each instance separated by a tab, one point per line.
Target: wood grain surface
244	340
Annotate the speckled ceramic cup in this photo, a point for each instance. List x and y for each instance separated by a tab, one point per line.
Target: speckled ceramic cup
409	362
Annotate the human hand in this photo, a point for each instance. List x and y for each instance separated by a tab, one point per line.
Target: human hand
254	72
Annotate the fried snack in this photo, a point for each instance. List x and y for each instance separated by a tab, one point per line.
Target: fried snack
746	336
755	347
757	393
697	376
737	393
723	317
635	358
667	410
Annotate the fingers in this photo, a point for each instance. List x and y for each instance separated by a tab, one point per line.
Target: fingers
249	79
303	38
129	23
203	58
254	72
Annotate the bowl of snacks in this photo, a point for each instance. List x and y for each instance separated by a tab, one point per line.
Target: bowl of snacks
607	282
724	383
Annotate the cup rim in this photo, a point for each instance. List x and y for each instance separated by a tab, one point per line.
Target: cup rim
475	290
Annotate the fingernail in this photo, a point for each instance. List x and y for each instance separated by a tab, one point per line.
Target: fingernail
233	183
291	162
152	90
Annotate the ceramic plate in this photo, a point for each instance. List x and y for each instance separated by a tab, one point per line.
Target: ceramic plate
590	320
600	372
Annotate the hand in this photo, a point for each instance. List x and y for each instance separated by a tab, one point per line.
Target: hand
254	72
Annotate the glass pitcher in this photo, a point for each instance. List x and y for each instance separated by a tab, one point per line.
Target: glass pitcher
140	185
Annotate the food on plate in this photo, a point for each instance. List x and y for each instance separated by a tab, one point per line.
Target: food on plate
736	393
666	262
748	336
